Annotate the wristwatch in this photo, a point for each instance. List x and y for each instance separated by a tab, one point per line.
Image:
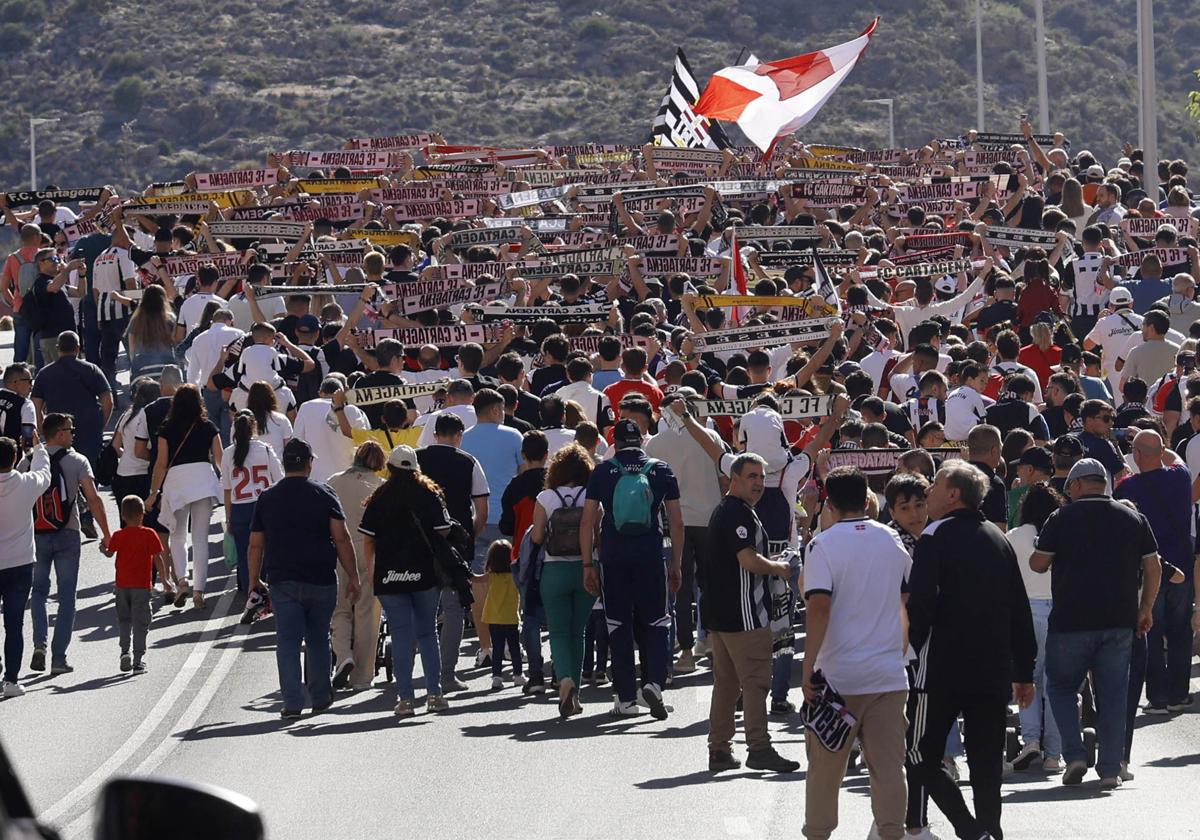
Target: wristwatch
339	408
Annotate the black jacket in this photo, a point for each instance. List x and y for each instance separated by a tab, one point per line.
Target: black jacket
969	617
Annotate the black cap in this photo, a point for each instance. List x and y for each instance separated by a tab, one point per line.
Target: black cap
627	433
296	454
1039	458
1067	446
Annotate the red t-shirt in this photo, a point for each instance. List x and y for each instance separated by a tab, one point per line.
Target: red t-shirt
622	387
1043	364
136	549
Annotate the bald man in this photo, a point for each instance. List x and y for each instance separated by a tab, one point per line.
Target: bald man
1181	304
1163	493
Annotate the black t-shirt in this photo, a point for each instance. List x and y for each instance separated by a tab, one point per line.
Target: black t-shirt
529	408
996	313
287	326
54	307
294	516
156	412
543	377
517	423
731	599
1008	414
1097	546
1129	412
995	503
1056	420
895	419
11	404
453	470
403	560
188	444
375	379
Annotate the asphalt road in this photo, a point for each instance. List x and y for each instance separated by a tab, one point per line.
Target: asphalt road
497	765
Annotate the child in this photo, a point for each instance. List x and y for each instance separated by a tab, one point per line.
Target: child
905	495
137	548
500	612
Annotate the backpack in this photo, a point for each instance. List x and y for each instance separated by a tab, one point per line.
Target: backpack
52	510
563	524
26	274
308	385
633	501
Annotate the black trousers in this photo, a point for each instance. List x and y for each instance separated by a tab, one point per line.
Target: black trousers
985	719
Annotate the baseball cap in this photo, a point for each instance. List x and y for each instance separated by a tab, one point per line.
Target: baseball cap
1087	468
627	433
1120	296
1095	171
847	368
296	454
945	285
308	323
403	457
1067	446
1037	457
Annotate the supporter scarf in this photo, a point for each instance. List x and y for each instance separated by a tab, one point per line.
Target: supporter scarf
289	231
1021	237
763	335
591	314
376	394
801	407
31	197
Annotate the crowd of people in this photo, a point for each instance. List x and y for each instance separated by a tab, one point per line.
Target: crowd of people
927	418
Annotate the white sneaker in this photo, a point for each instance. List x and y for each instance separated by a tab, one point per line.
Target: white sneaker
950	768
11	690
643	703
1006	770
497	682
484	657
701	648
924	834
1110	783
624	709
1125	773
519	679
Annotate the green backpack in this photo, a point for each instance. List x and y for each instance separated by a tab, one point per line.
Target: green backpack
633	501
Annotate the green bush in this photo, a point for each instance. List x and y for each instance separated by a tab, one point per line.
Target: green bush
128	95
597	28
14	38
124	63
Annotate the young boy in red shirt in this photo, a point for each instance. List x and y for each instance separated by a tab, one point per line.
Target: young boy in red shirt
136	548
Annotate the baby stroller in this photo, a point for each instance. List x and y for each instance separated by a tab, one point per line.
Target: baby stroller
383	651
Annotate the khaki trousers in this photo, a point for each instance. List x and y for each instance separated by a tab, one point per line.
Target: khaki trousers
741	663
355	627
881	727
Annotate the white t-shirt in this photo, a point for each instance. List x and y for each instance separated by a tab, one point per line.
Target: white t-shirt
110	272
258	471
206	349
277	433
193	308
1023	539
260	362
317	423
965	409
589	398
557	439
699	487
548	499
128	464
1008	368
874	363
862	565
427	422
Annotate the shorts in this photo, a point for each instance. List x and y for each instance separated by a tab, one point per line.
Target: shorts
483	542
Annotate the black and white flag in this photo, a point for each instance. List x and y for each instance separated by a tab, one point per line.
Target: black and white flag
676	124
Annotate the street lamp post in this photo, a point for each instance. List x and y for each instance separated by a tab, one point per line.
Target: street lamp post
1147	99
891	118
34	122
1043	96
979	65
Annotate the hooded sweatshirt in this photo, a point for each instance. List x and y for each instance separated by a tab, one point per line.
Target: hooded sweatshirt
18	493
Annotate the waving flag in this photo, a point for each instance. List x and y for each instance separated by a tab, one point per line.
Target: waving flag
823	284
676	124
775	98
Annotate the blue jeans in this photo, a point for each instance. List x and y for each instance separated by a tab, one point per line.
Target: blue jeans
531	639
1169	671
23	338
240	517
412	619
59	549
302	614
218	412
15	584
111	333
1069	657
1037	722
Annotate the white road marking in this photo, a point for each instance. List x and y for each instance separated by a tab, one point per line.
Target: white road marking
191	715
152	720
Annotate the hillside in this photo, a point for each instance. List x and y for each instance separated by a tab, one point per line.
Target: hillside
149	93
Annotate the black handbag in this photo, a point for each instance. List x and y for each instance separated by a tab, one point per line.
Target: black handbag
106	465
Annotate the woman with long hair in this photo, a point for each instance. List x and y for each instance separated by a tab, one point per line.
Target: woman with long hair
189	446
272	426
1039	295
206	317
1078	211
402	519
248	467
354	629
151	334
1043	744
568	604
133	473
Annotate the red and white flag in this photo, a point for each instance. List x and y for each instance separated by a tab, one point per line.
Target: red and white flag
775	98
